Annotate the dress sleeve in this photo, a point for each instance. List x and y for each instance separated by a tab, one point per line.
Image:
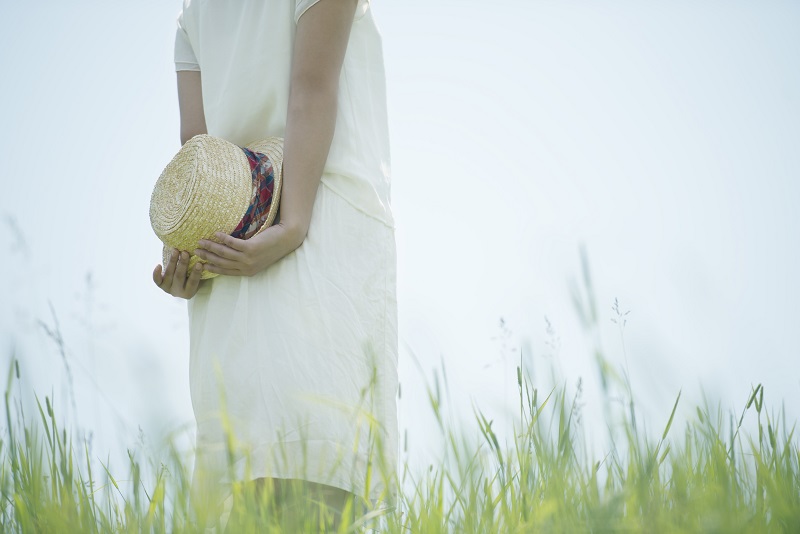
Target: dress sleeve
185	58
302	5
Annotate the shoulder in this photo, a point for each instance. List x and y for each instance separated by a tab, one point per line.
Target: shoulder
188	12
301	6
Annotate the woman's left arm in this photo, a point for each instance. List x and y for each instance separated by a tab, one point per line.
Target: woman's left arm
320	44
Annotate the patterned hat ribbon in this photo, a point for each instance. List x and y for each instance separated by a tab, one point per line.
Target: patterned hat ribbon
263	184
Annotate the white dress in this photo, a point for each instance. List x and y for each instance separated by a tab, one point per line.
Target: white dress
289	354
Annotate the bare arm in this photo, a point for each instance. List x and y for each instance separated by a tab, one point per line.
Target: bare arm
190	101
319	49
320	44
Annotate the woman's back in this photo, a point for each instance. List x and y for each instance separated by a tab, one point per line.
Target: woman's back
243	49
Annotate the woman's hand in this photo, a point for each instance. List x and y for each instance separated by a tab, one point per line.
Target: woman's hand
174	280
239	257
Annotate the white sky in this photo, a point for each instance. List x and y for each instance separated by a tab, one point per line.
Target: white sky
663	135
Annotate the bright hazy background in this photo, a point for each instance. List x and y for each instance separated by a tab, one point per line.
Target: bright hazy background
661	135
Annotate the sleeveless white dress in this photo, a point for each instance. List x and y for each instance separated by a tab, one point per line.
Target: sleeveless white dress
302	357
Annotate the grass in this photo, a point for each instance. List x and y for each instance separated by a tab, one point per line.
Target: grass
705	478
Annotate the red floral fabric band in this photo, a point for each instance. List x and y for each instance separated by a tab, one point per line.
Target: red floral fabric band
263	185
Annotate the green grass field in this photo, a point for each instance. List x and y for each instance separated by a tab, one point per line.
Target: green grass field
701	478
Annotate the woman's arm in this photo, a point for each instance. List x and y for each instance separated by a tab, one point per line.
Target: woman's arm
190	101
319	49
320	44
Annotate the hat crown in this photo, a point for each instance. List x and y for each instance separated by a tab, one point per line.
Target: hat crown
206	188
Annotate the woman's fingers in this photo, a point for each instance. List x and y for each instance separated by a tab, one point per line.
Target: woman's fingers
193	282
179	279
221	270
173	279
166	279
158	275
222	250
236	244
218	260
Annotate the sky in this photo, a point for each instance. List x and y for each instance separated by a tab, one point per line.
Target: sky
659	137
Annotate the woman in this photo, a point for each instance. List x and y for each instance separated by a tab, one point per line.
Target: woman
293	349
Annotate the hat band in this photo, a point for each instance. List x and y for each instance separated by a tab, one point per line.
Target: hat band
263	185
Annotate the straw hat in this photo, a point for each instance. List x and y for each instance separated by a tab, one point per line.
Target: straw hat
208	187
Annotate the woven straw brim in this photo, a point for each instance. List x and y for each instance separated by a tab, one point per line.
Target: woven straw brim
207	188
